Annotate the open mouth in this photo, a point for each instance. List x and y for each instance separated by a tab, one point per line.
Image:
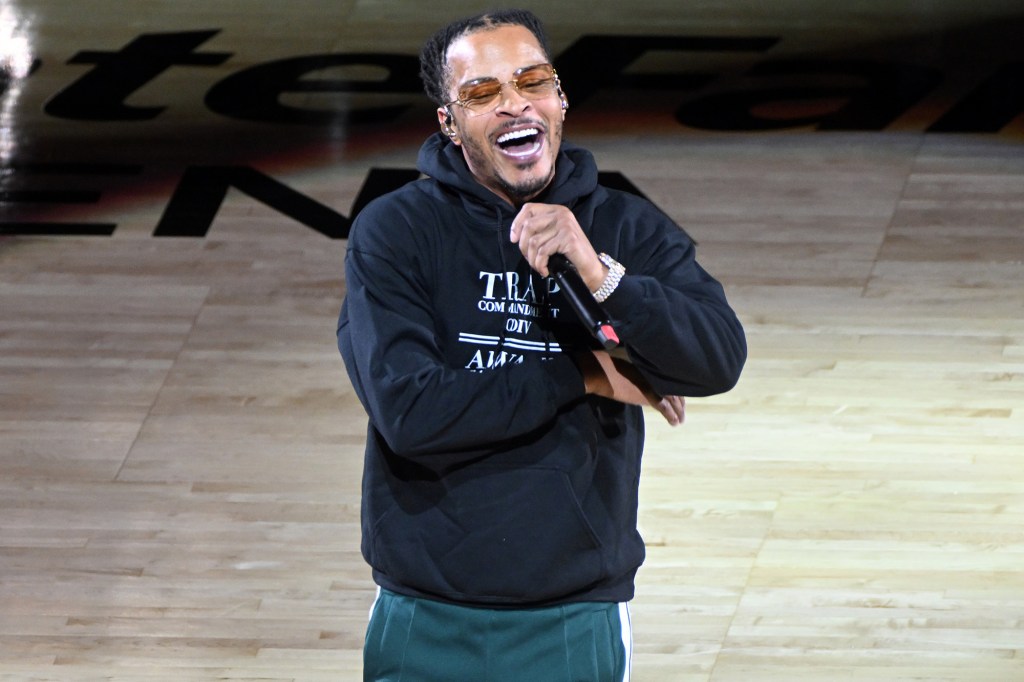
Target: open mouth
520	142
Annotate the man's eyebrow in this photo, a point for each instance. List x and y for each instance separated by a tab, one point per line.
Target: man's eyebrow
482	79
479	79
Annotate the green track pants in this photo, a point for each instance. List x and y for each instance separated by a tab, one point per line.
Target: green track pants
419	640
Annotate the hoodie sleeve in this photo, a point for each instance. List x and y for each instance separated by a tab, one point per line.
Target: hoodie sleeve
421	405
671	314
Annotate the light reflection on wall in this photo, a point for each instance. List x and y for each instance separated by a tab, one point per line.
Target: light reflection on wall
15	64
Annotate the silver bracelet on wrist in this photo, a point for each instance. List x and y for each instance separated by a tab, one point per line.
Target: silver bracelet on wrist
611	280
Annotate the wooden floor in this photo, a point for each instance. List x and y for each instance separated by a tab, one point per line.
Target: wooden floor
180	448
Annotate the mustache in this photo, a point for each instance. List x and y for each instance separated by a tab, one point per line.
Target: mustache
521	122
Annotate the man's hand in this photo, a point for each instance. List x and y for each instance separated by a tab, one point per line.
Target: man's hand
542	230
611	377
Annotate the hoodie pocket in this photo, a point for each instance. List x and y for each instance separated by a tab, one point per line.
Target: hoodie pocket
503	535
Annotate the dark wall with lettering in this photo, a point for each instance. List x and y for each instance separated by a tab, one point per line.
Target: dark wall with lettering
108	122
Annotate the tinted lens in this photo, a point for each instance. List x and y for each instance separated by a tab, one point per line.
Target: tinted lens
479	94
536	81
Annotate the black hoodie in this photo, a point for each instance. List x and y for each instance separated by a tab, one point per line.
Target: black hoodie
490	478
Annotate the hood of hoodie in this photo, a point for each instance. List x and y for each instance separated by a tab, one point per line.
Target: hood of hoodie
575	177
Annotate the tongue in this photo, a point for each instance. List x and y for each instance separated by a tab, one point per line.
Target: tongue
520	146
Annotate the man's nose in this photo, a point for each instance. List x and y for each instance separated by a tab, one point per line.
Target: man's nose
511	100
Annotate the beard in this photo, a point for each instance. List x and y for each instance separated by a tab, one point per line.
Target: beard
523	191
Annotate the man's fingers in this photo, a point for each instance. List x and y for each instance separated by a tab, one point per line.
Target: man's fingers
679	406
672	408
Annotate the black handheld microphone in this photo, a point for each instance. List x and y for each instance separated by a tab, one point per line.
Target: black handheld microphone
582	301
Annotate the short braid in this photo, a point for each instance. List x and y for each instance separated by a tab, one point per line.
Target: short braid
434	55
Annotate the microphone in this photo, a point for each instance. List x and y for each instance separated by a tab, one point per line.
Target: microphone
582	301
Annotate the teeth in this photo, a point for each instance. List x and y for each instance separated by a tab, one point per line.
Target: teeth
516	134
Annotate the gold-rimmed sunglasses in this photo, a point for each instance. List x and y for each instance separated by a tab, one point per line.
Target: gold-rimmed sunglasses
482	95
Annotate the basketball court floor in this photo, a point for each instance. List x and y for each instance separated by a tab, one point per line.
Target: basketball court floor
180	448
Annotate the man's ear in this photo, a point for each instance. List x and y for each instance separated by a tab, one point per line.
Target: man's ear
444	117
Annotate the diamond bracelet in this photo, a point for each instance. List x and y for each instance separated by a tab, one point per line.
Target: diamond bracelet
611	280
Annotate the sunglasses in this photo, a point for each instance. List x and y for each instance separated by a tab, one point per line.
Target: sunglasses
482	95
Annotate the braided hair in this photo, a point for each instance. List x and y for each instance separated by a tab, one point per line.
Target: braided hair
434	55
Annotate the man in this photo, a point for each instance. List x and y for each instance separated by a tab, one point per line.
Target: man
504	443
